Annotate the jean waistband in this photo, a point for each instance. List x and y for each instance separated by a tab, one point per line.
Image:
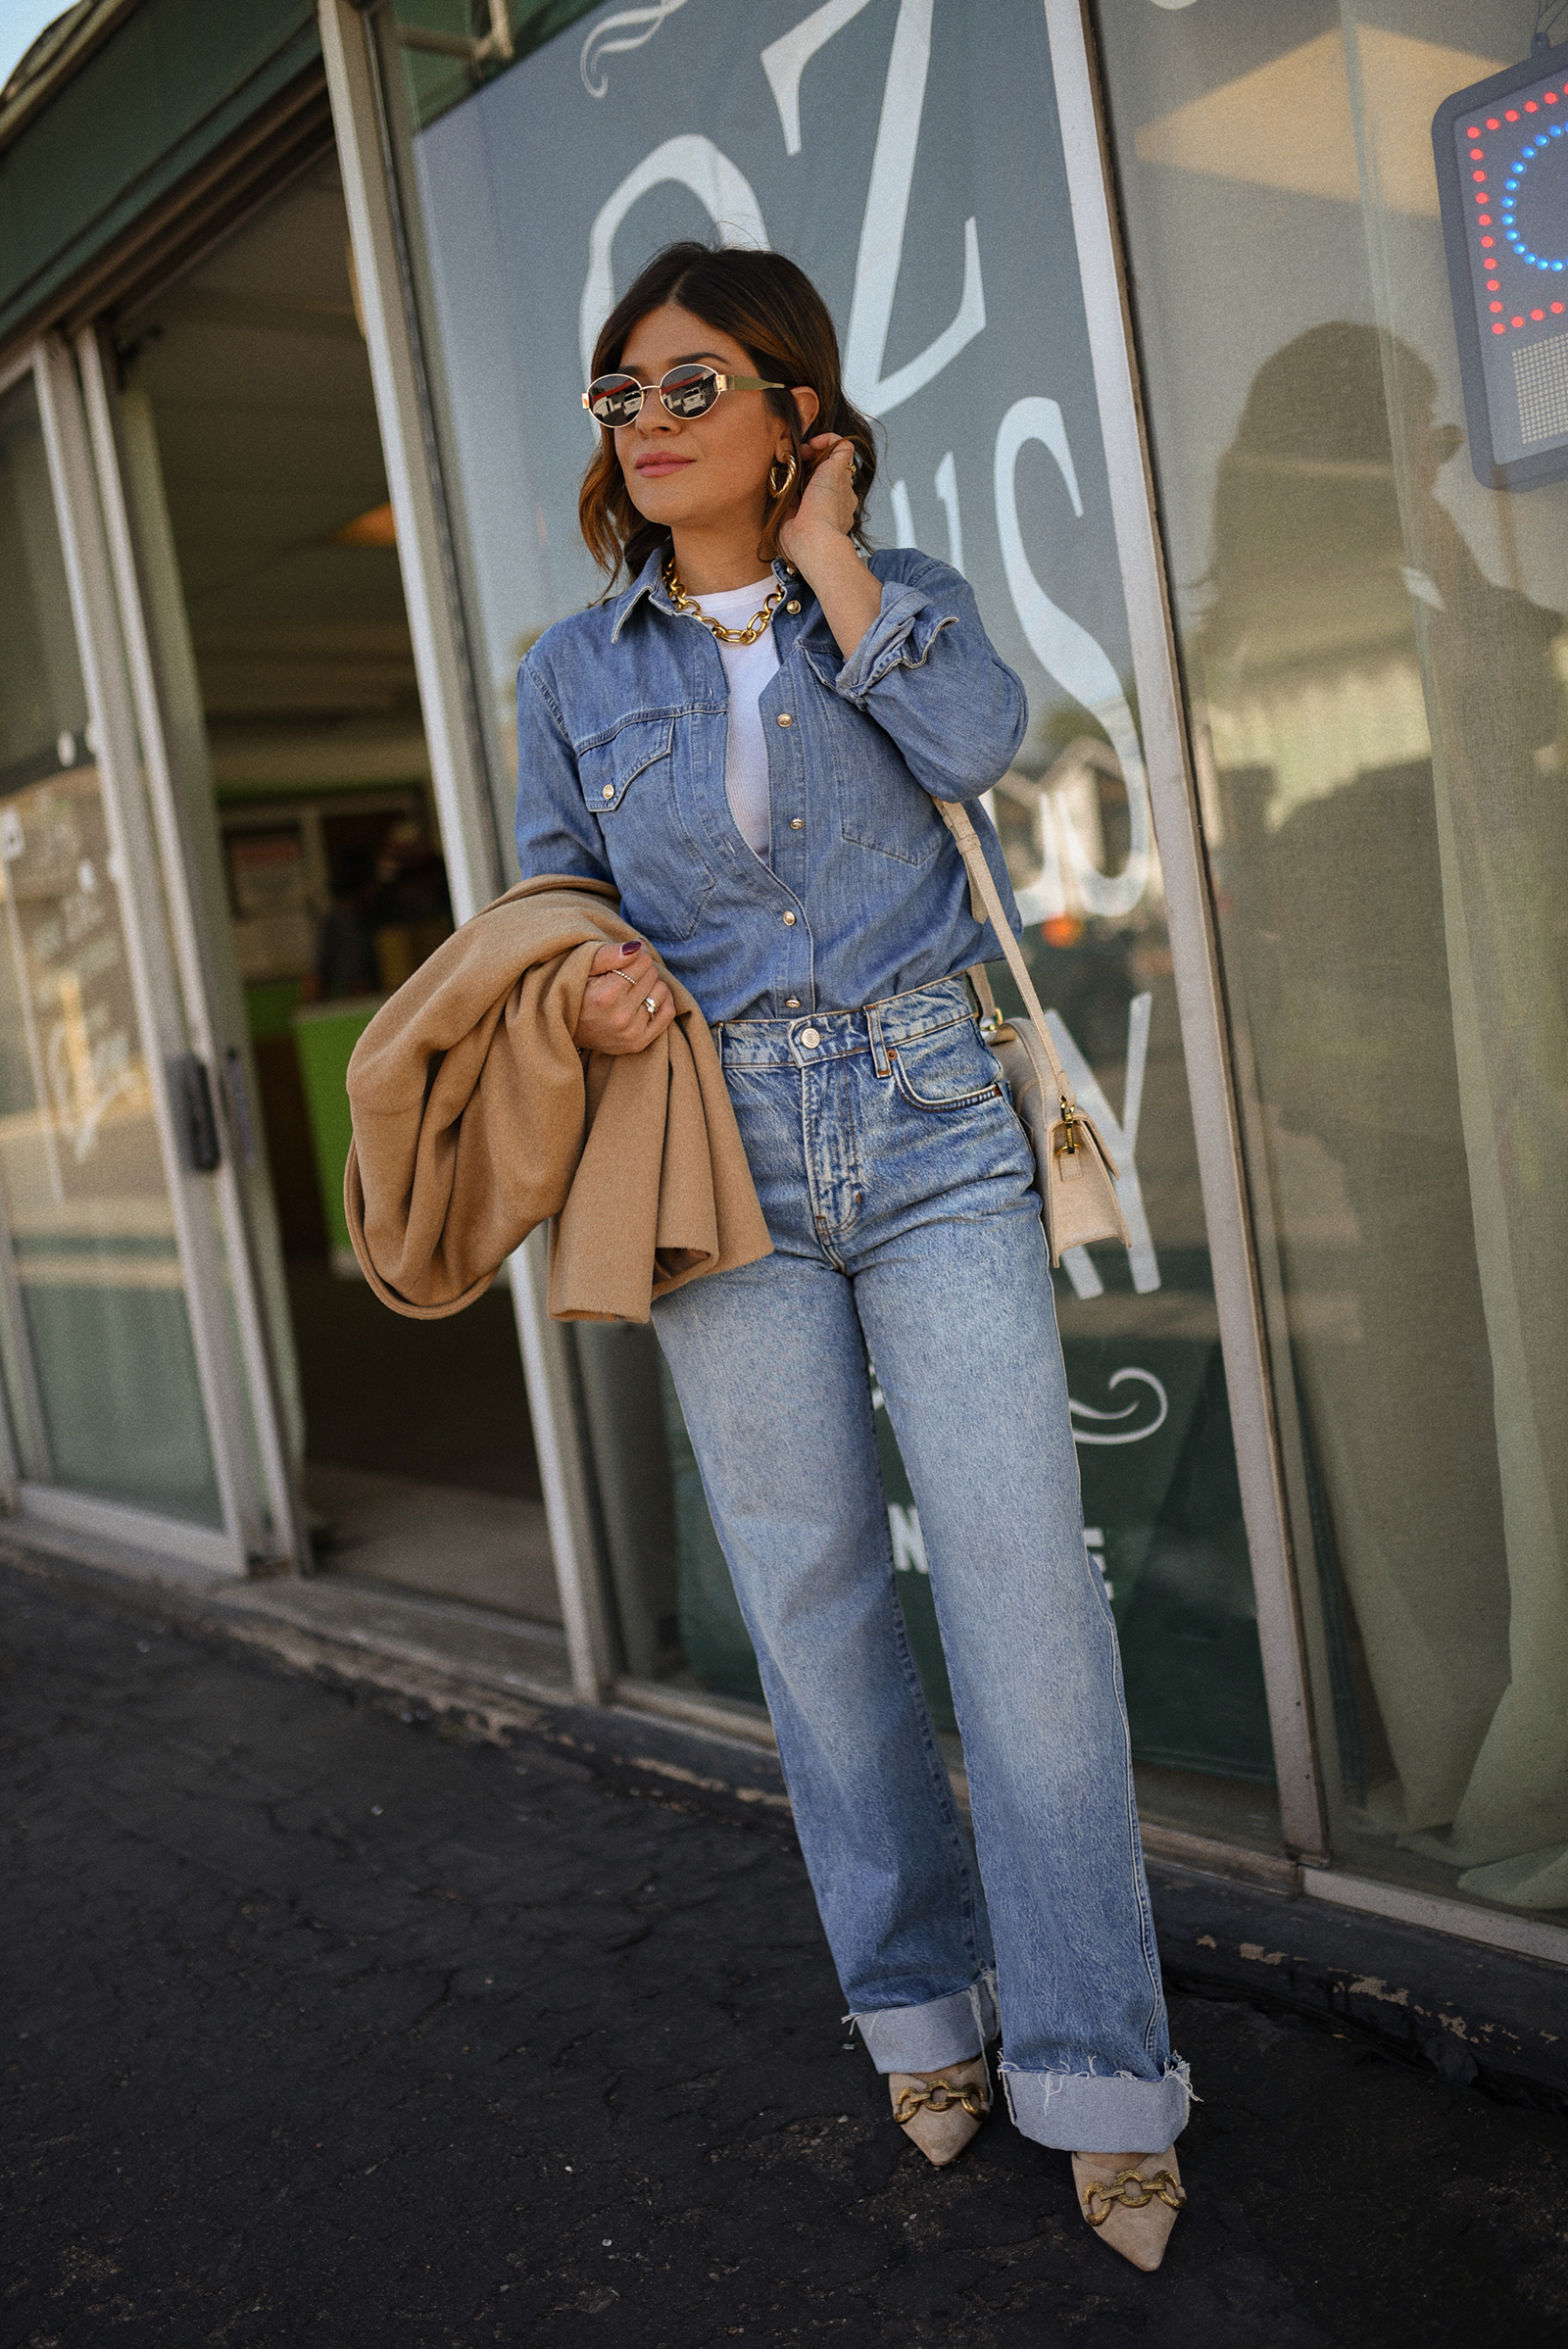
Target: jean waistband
807	1037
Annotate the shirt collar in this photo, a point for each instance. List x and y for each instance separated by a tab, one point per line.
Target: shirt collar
650	582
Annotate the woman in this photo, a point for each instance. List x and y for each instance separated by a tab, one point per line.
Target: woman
744	742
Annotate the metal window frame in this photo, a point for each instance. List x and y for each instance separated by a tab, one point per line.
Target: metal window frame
1101	269
1268	1442
1521	1932
458	775
275	1531
21	363
95	617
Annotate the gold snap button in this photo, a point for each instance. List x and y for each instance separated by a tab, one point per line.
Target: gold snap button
784	718
797	824
811	1039
789	922
609	792
792	1002
793	606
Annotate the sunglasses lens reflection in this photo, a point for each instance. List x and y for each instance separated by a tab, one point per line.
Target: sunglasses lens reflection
614	399
689	391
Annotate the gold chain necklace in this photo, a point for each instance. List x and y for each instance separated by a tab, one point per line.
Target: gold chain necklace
726	636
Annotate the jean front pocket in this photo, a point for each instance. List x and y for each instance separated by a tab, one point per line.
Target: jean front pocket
949	1069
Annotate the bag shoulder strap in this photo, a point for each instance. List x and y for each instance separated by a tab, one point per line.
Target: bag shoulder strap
957	820
980	980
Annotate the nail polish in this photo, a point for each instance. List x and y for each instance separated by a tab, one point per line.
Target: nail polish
633	946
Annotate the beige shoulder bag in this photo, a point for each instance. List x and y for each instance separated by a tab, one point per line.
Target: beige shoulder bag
1076	1173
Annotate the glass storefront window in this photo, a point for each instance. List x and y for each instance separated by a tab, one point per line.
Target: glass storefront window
1376	650
917	173
100	1370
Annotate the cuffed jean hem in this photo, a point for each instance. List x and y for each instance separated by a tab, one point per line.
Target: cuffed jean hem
945	2030
1099	2112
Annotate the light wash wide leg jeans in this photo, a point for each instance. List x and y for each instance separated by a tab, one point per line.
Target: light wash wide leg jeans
897	1187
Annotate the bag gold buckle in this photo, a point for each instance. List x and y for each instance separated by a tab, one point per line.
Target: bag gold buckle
1067	1147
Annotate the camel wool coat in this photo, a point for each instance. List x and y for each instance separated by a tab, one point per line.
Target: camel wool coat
475	1117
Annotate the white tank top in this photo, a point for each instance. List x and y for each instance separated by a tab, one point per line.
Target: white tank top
747	670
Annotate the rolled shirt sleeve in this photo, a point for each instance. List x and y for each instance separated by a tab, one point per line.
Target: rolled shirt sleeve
926	673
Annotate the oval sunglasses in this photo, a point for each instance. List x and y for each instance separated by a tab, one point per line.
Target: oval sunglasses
686	391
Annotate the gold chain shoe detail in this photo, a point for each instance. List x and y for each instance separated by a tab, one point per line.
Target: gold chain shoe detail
1131	2204
942	2114
939	2098
1129	2186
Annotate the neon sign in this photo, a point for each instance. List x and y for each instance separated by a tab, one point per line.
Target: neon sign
1502	150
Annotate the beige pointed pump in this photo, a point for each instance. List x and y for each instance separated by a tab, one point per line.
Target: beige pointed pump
1132	2200
941	2111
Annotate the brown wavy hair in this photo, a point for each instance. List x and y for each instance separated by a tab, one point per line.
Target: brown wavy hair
769	306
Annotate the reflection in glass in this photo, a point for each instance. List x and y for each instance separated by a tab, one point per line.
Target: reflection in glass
1377	649
99	1366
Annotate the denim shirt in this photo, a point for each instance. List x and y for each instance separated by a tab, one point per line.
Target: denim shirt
622	732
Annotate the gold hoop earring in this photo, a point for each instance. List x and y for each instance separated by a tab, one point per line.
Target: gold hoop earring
781	489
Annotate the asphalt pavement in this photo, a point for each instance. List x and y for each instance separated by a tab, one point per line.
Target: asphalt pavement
323	2027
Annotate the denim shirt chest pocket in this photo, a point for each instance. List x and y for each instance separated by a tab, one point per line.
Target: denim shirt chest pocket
633	781
881	807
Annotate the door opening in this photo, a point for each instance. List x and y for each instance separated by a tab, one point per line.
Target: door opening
254	465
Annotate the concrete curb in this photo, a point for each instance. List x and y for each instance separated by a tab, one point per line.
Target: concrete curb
1477	2017
636	1752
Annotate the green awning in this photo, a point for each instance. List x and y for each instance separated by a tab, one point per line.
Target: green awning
168	86
144	95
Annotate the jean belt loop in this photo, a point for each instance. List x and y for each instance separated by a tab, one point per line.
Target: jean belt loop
880	1051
